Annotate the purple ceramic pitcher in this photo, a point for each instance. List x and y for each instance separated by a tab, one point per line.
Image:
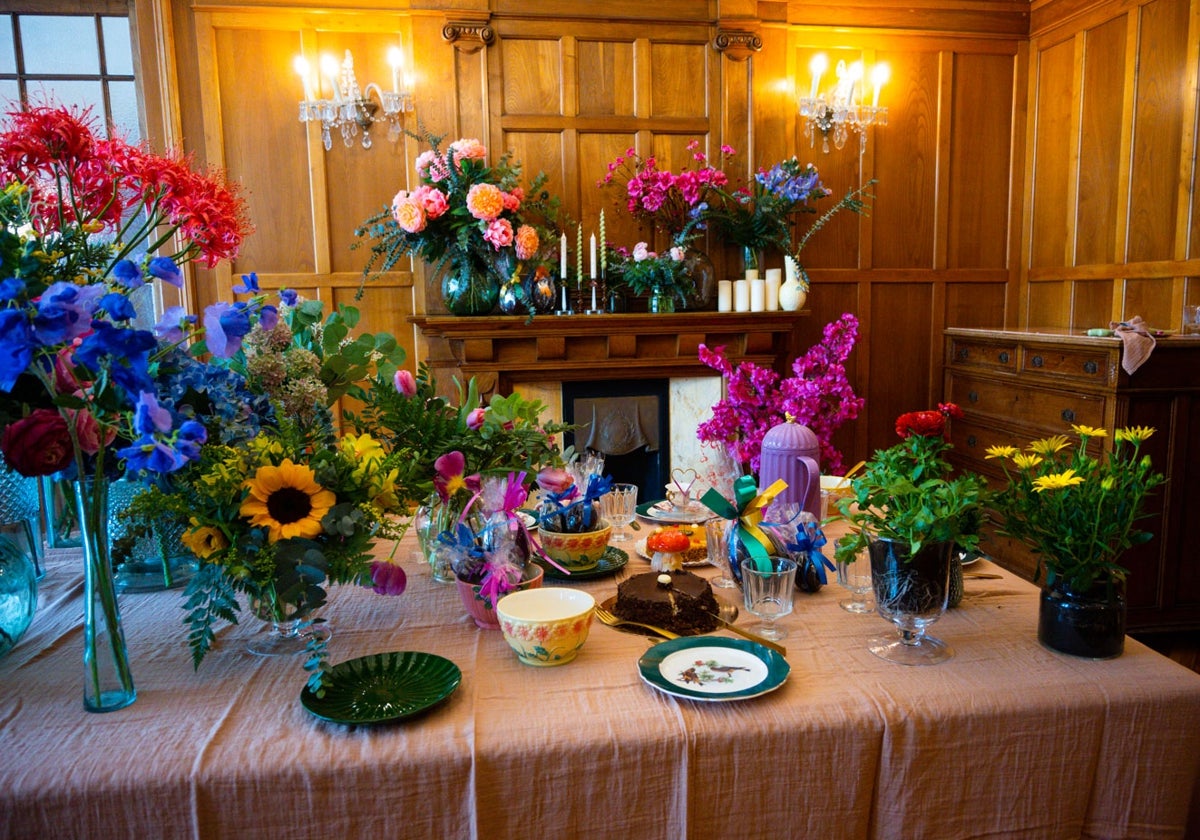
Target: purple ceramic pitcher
791	451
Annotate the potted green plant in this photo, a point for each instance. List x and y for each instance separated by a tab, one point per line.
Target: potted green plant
909	512
1076	511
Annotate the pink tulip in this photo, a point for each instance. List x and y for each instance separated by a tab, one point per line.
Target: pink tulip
405	383
475	419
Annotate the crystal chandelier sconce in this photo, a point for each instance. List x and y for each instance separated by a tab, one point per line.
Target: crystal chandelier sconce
841	109
350	108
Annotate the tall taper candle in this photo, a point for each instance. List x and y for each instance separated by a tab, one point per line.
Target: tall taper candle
562	257
603	246
579	257
592	264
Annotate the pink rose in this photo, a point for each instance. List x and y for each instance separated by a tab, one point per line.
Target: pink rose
641	251
467	149
554	480
475	419
499	233
405	383
87	430
38	444
409	215
432	200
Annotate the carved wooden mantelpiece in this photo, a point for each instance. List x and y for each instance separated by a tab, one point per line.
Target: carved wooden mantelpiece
502	350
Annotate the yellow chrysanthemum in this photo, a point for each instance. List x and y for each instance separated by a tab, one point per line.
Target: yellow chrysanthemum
1050	445
1134	434
1089	431
204	540
1001	452
1025	461
1057	481
287	501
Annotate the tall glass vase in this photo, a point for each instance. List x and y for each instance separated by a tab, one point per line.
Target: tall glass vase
108	680
468	289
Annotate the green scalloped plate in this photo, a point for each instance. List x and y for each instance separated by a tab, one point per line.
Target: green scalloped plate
713	668
611	561
384	687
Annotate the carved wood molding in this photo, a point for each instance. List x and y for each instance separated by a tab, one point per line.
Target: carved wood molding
737	43
469	33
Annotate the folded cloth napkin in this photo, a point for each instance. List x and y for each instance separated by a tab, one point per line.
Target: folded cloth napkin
1138	342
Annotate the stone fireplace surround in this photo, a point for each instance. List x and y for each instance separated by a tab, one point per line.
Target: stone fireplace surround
534	358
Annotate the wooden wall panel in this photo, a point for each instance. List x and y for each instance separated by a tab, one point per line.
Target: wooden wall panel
1100	164
1157	129
1048	305
975	305
678	79
606	80
899	378
1052	150
1092	303
531	76
981	137
906	160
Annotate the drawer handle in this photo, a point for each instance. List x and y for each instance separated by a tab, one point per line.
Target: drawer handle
962	354
1003	357
1036	361
1090	367
1068	415
971	441
973	396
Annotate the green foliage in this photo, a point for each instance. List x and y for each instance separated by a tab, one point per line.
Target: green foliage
907	494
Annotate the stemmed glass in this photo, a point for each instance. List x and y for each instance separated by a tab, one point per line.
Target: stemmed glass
768	592
716	536
911	592
855	575
619	506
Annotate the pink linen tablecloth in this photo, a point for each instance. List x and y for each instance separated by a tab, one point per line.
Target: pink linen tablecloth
1007	739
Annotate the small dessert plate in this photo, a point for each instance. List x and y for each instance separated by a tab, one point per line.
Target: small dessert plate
713	668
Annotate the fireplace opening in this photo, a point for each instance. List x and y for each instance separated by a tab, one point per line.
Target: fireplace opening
628	421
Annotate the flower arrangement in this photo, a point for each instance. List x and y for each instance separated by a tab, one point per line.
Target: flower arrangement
757	214
817	395
906	492
673	202
467	214
643	271
1075	510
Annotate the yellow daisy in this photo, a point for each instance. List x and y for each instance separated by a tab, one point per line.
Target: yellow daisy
1001	451
1056	481
1050	445
287	501
1089	431
1025	461
1134	434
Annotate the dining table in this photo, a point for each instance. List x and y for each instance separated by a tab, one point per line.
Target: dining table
1007	739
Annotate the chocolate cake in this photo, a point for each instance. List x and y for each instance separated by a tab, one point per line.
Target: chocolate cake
684	605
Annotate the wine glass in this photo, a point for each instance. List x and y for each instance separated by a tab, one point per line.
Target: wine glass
768	586
911	592
717	540
855	575
619	506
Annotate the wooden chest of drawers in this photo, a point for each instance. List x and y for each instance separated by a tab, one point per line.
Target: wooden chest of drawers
1019	386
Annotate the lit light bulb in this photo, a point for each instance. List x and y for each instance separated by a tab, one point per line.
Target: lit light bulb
817	66
879	77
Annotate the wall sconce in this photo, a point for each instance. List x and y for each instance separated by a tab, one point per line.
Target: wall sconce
840	109
350	108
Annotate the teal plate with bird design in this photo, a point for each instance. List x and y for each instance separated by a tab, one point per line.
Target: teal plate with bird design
713	668
384	687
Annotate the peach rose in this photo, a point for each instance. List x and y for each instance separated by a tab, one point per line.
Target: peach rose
527	242
485	202
410	216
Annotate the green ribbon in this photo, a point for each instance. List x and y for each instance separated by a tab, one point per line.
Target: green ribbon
747	508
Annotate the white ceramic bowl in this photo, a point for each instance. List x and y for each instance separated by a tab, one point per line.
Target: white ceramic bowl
546	626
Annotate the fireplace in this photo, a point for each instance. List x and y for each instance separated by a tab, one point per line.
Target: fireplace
626	420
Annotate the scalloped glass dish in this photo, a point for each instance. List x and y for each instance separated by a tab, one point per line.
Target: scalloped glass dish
384	687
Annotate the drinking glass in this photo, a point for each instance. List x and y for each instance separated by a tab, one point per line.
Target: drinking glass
768	592
855	575
715	534
1191	320
619	506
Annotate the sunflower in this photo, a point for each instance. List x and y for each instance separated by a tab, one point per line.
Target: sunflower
287	500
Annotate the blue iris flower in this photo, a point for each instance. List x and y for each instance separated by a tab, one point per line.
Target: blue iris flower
192	435
164	269
16	346
128	274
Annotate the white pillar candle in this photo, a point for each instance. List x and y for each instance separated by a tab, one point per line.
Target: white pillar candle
758	297
724	296
772	286
751	273
741	295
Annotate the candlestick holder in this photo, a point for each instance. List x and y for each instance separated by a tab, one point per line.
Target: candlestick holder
580	297
597	302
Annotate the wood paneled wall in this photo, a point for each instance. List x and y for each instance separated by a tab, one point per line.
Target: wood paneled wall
962	231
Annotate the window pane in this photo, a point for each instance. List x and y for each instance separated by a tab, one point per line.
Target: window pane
83	94
10	96
8	57
122	97
118	54
54	44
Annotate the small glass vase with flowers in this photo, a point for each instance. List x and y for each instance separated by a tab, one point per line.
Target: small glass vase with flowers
1076	511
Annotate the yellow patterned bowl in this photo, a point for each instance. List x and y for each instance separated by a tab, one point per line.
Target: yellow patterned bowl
576	552
546	626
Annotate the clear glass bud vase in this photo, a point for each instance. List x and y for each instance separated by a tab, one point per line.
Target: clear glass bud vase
108	681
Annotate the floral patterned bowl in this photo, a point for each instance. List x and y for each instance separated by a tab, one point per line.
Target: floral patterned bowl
576	552
546	626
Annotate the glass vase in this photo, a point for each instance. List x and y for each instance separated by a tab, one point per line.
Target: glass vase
700	269
1087	623
660	302
108	680
289	627
18	594
20	513
751	261
467	290
146	557
911	592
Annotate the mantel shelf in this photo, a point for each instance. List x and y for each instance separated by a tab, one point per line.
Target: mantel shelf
502	350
